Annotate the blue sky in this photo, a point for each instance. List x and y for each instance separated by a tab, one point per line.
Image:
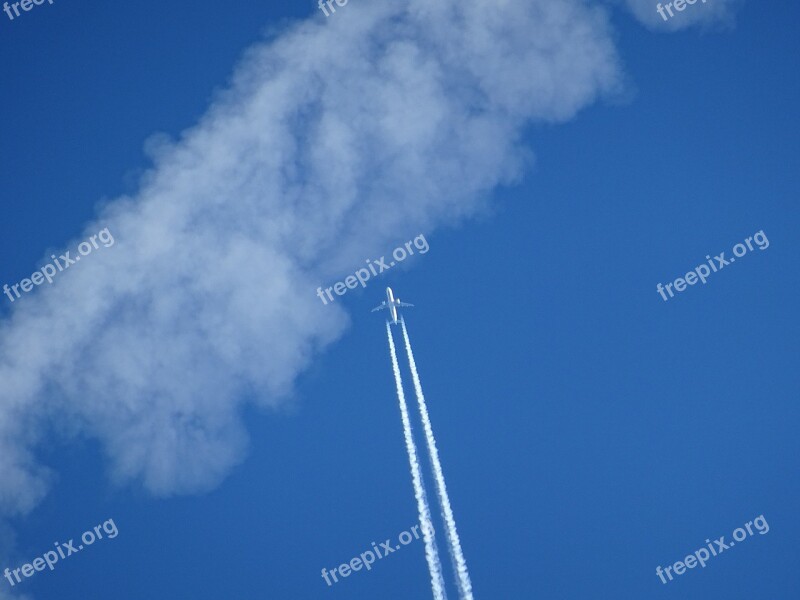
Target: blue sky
589	431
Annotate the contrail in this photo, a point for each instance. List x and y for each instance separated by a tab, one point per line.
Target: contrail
459	563
428	534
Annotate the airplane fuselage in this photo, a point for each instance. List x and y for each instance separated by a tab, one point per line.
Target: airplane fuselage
391	304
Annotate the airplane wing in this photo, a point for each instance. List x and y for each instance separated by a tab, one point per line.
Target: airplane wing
404	304
381	307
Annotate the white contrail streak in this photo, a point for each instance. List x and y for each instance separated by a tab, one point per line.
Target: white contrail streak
459	563
428	534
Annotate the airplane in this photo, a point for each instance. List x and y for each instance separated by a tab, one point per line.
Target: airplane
391	303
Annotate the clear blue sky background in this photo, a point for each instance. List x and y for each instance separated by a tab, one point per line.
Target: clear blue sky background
589	431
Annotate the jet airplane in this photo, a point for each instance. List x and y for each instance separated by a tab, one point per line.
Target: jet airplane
391	303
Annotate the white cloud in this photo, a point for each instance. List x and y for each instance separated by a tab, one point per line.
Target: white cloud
9	560
337	140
